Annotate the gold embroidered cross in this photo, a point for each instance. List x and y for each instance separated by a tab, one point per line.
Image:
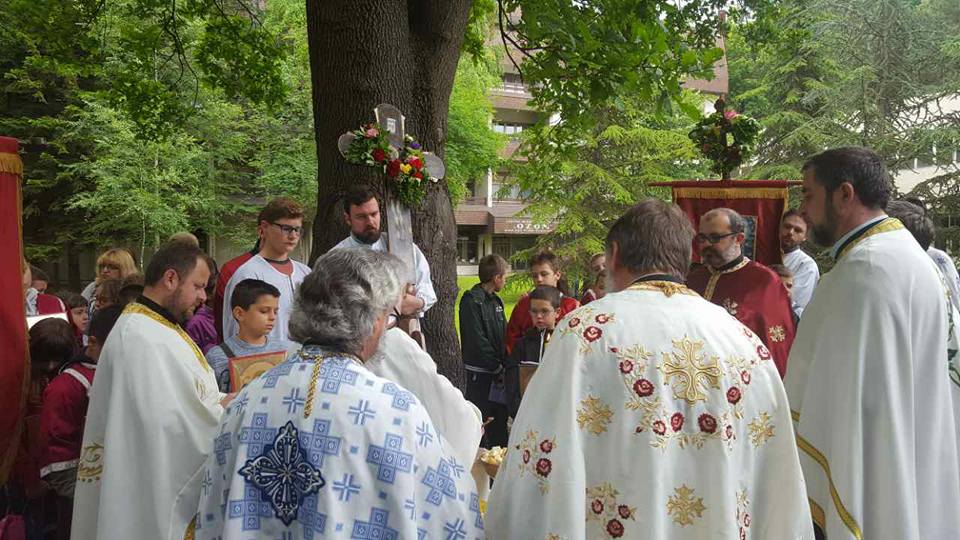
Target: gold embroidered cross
689	371
777	333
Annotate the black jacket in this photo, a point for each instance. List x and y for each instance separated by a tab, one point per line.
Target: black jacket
526	351
482	324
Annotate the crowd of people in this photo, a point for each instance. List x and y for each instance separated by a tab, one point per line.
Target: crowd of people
718	399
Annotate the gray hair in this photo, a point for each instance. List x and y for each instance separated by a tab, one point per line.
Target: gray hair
337	304
737	223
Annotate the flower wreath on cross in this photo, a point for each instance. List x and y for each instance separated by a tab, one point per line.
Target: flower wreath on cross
404	166
726	137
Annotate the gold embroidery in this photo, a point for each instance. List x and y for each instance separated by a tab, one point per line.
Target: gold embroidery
684	507
715	277
743	513
141	309
318	359
729	193
885	226
586	326
191	533
90	467
816	511
731	306
777	333
845	516
668	288
687	368
761	430
535	458
594	414
795	415
609	513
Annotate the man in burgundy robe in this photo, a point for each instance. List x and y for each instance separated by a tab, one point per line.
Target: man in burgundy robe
749	291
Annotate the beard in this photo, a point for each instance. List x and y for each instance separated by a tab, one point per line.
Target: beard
368	236
716	258
182	311
824	234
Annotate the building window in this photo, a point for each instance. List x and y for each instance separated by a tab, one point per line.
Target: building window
509	128
507	246
513	84
467	249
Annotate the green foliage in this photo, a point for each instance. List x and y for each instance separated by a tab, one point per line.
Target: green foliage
726	138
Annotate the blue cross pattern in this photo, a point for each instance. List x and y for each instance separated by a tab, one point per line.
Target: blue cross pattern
475	508
334	374
401	398
362	412
220	447
455	530
271	377
250	508
310	519
240	403
257	436
423	431
294	401
320	443
346	488
207	481
376	528
440	483
389	458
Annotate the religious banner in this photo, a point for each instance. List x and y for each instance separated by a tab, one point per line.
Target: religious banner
13	327
244	369
760	202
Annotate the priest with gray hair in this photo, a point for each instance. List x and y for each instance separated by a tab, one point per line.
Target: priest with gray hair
321	446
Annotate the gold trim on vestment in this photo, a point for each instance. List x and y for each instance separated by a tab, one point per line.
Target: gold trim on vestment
668	288
730	193
715	277
315	374
141	309
191	532
885	226
845	516
816	512
795	415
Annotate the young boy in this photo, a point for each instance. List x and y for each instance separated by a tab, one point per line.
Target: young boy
254	305
545	270
786	276
64	412
481	335
527	352
78	313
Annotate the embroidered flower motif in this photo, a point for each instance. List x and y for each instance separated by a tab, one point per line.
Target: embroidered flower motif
597	506
659	427
602	318
729	431
745	376
761	429
614	350
777	333
543	467
683	506
676	421
526	456
626	366
746	520
763	352
615	528
733	395
546	446
624	511
592	333
707	422
574	322
643	387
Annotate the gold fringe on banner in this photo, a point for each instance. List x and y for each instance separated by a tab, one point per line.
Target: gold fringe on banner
729	193
11	163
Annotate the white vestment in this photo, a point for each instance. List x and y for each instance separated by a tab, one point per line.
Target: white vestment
806	274
258	268
153	414
424	284
870	390
654	414
949	271
401	360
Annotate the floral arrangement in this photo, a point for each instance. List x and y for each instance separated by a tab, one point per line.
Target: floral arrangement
404	166
726	137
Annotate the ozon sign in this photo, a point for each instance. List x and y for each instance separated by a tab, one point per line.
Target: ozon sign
526	226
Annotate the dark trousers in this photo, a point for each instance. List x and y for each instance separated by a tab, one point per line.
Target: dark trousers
478	393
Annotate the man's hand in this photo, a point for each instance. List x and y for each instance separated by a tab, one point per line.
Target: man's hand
410	305
227	399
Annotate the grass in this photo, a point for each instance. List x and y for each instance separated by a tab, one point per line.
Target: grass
510	296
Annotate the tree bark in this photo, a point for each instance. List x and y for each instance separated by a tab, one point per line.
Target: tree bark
367	52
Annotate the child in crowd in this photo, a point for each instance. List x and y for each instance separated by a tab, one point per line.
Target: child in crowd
79	316
545	270
786	276
108	294
255	304
527	352
598	263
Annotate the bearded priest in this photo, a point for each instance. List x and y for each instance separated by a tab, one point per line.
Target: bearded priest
654	413
748	290
869	380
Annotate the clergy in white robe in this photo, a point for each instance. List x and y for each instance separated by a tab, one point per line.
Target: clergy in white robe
654	413
868	381
321	447
153	413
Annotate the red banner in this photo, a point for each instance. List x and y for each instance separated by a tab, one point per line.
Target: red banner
13	323
760	202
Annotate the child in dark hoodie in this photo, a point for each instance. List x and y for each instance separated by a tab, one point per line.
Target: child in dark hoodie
528	350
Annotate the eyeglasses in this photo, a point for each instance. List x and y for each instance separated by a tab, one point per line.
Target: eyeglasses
109	267
287	229
712	238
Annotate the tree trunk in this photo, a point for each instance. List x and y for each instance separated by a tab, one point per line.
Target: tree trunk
367	52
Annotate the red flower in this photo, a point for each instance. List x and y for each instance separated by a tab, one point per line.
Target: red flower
763	352
615	528
602	318
643	387
393	168
659	427
546	446
745	376
624	511
592	333
626	366
418	174
708	424
614	350
746	519
573	322
729	431
379	155
676	421
543	467
415	163
733	395
526	456
597	506
743	534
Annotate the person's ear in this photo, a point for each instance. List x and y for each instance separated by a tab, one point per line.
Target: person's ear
238	313
847	193
171	279
741	237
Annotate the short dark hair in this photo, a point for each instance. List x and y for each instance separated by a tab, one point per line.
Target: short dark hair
356	197
491	266
177	256
653	236
545	257
248	291
135	278
791	212
109	289
861	167
915	221
280	208
103	321
38	274
781	270
548	293
130	293
52	340
737	223
73	300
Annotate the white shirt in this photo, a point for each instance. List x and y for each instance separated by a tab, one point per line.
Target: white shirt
949	271
258	268
806	274
424	284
